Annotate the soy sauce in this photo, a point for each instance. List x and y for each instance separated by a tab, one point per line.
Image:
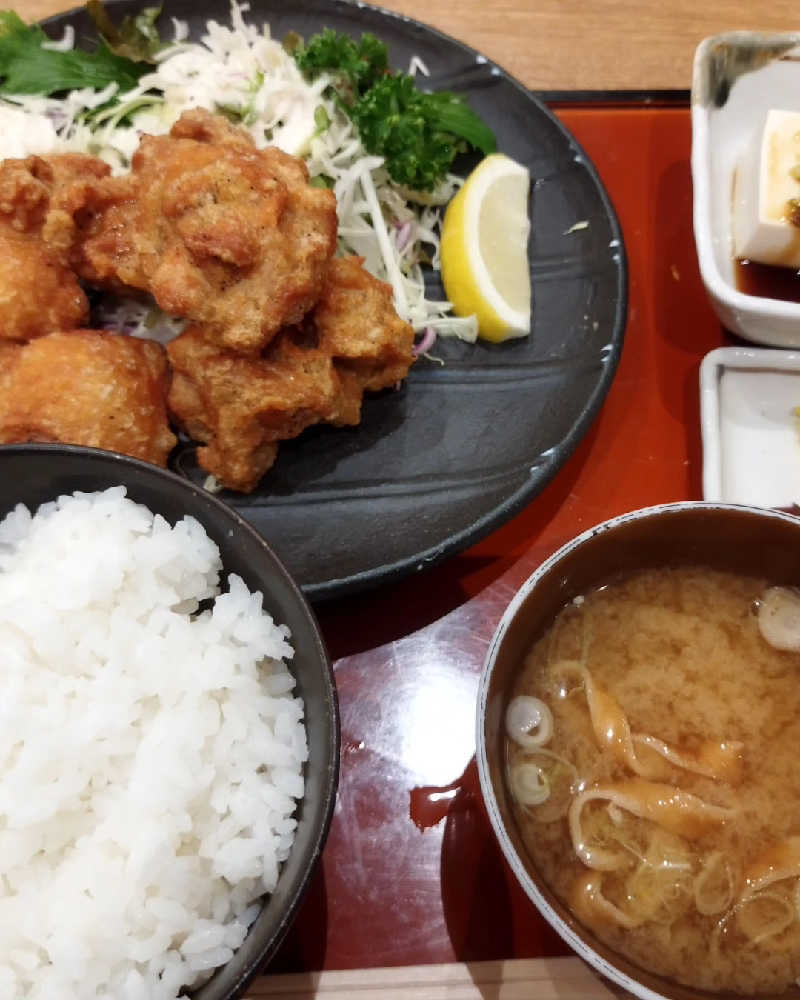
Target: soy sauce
767	281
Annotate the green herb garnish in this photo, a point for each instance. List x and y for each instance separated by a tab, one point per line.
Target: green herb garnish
27	68
136	38
321	120
417	133
357	65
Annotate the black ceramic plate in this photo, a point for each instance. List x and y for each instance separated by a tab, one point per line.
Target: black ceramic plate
465	445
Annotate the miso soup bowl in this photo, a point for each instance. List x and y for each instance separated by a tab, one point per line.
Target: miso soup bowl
746	540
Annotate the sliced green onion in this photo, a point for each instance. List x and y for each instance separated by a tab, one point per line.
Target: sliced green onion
529	722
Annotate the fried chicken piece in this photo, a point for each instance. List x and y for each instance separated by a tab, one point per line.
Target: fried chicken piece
103	219
83	215
240	407
38	291
87	387
80	213
358	326
220	233
30	188
90	219
38	294
25	188
8	351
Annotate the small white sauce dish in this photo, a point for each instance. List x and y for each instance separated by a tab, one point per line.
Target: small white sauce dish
737	78
751	433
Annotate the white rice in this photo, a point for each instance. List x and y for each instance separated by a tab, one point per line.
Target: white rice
150	757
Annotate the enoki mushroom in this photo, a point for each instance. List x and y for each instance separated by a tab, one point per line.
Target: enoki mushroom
779	862
721	761
712	759
764	911
714	885
589	903
658	889
763	916
762	919
667	806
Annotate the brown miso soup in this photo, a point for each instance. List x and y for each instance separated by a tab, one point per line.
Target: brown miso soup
653	738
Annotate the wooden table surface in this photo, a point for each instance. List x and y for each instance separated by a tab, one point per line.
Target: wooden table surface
573	44
411	875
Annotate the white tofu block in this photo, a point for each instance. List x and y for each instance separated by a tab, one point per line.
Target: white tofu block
763	186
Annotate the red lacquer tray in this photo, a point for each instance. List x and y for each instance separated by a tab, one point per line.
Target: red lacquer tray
411	873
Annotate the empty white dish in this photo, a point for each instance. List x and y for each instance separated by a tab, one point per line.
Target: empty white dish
751	432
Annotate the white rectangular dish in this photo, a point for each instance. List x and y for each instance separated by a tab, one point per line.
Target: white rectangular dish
737	78
751	432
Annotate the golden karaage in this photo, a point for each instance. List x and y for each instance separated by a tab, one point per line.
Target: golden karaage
220	233
88	387
102	218
235	240
241	407
39	292
357	325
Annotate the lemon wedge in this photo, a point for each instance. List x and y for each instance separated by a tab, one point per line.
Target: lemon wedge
484	251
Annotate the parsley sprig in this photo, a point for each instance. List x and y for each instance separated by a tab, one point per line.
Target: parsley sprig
417	133
355	66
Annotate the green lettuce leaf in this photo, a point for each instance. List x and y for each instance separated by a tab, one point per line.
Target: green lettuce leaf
27	68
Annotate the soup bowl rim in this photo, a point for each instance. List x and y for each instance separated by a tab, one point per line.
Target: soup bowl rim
572	936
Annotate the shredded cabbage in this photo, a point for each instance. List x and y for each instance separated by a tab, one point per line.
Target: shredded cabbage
241	71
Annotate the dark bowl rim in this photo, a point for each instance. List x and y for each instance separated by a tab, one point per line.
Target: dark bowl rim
573	936
79	451
333	735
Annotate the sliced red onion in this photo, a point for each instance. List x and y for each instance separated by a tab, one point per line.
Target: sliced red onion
57	117
427	342
404	231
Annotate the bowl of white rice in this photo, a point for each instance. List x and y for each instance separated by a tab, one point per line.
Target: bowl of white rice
169	739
